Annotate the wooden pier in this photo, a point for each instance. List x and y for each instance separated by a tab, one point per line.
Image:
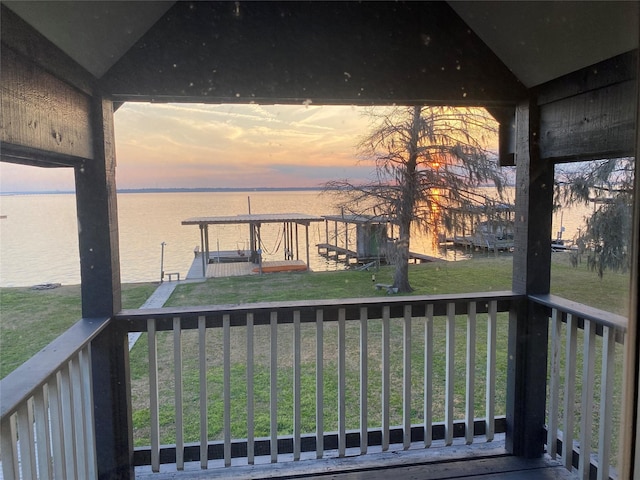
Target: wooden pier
333	251
291	250
370	236
216	269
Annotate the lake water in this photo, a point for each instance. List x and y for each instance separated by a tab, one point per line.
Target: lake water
39	236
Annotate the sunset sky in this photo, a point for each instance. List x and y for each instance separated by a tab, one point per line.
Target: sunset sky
193	145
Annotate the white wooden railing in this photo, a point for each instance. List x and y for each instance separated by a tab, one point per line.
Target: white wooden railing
585	355
399	372
47	426
375	344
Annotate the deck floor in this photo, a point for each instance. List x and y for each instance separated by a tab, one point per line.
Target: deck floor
478	461
237	269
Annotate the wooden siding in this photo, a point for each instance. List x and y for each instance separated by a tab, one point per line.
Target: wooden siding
593	125
44	120
324	52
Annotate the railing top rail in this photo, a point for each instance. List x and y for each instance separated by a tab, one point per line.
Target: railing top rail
315	304
330	307
600	317
24	380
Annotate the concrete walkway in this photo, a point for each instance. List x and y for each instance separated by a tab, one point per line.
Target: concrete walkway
157	300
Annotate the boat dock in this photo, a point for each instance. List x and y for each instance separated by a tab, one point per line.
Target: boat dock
349	256
209	264
218	269
362	239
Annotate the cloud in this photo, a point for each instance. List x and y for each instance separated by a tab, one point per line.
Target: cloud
220	144
195	145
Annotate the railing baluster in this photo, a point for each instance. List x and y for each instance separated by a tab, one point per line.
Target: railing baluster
154	413
84	357
202	364
57	433
554	387
569	390
406	378
342	435
428	376
386	387
296	386
78	418
274	387
66	401
450	369
177	382
471	373
226	386
9	448
490	401
364	380
250	395
319	384
27	441
42	434
586	421
606	401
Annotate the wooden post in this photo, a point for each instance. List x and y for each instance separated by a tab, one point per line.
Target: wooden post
100	273
630	444
326	231
528	328
206	241
306	232
203	252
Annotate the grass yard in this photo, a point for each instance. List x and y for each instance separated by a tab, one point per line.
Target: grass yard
31	319
483	274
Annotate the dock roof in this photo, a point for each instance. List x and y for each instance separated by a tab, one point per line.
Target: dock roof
301	218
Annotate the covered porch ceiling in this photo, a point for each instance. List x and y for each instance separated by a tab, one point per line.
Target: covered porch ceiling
458	52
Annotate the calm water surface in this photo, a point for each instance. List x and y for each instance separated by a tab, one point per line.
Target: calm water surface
39	236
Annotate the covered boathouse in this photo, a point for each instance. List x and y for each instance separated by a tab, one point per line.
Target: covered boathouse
559	77
209	257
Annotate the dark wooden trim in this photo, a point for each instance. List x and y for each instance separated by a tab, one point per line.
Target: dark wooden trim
590	114
529	322
589	126
18	35
101	292
527	380
215	451
35	157
615	70
506	117
41	113
324	52
135	320
631	404
96	204
534	208
28	377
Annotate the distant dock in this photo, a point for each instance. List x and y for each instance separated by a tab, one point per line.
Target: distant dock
372	238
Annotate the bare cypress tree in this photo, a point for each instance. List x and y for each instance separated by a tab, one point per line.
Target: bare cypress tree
429	163
608	186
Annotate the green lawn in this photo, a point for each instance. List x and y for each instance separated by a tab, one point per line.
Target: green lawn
483	274
31	319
